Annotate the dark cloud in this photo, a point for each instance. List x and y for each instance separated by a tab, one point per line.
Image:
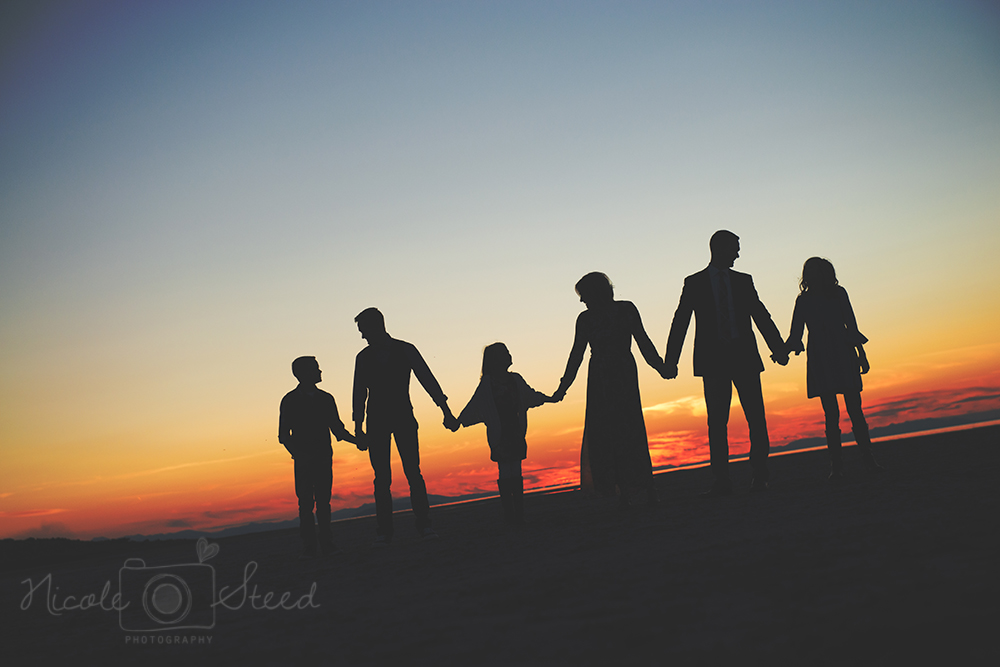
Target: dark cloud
930	402
987	397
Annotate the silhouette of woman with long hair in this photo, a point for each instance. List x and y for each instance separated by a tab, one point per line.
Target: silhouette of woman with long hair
835	359
615	451
501	401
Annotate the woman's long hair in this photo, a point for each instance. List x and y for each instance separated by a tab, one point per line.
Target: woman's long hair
818	274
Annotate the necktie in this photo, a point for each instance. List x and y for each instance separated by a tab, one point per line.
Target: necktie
725	328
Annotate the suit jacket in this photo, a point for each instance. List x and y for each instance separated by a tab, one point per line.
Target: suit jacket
713	356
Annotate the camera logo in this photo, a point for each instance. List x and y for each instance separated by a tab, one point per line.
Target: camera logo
170	597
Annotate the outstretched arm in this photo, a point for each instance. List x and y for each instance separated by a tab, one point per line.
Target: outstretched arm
431	386
678	330
794	342
337	426
646	347
574	361
767	328
530	398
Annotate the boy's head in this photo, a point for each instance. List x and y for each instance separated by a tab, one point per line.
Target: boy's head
306	370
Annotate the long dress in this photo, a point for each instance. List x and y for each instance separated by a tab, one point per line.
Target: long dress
615	450
832	365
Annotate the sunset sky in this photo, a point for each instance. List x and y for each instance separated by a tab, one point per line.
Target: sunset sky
192	194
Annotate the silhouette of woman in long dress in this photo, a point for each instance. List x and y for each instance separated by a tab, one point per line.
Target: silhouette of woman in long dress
835	359
615	451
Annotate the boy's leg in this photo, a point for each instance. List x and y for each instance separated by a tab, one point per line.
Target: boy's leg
323	489
409	454
379	442
304	492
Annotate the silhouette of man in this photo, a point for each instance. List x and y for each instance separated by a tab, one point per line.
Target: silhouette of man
382	385
307	416
725	354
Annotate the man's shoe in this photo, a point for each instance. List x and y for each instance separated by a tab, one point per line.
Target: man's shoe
837	475
756	485
308	554
382	542
718	491
428	534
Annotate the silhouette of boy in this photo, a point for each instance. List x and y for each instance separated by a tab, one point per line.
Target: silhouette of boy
382	387
307	417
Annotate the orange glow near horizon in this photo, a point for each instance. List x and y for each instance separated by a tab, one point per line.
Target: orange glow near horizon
257	486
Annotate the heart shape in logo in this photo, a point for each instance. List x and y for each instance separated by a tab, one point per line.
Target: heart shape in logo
206	550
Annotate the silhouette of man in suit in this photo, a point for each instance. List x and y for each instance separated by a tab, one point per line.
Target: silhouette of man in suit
725	354
382	386
307	416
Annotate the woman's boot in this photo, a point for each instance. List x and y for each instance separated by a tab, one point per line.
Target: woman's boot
517	500
836	454
507	498
864	441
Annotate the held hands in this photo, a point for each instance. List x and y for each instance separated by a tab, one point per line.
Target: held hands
668	371
780	356
450	421
360	439
794	347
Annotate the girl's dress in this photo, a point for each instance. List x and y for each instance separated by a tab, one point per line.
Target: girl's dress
832	365
503	407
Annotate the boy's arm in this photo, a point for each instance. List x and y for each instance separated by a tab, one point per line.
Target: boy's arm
337	426
285	429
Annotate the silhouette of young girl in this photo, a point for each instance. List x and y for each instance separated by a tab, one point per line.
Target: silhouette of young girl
615	450
501	401
836	357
